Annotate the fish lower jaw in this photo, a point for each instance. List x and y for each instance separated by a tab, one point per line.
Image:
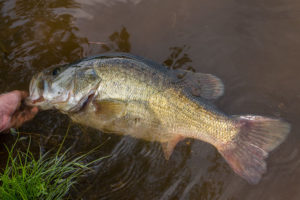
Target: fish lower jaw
34	101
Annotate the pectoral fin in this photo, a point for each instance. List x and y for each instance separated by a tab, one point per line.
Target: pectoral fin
169	146
110	109
206	86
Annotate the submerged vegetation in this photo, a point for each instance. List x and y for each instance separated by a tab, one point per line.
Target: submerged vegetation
48	177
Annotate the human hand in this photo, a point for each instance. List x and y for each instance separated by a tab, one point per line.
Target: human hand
13	112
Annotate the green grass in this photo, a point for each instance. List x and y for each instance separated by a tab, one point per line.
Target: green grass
48	177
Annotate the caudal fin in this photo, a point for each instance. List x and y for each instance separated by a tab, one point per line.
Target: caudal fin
256	138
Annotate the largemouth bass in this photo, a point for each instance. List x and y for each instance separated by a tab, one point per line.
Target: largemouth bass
126	94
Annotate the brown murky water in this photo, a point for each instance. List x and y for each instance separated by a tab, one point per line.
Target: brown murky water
253	46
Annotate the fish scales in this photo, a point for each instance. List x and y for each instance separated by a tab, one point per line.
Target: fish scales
129	95
130	81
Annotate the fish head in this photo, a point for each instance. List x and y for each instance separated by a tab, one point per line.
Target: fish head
66	88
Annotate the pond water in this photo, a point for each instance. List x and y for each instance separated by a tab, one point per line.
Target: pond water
253	46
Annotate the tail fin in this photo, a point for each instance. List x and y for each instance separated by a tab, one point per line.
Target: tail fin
256	138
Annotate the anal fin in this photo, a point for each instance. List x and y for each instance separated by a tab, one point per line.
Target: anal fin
169	146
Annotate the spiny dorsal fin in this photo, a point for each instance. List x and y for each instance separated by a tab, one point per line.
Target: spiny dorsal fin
206	86
169	146
110	109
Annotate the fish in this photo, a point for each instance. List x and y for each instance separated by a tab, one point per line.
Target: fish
129	95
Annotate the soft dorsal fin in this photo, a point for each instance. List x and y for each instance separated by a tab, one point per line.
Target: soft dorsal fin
206	86
169	146
110	109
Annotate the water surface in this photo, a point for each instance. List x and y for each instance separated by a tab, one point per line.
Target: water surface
253	46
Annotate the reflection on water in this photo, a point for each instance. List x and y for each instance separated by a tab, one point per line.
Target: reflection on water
252	46
179	58
119	42
107	2
34	36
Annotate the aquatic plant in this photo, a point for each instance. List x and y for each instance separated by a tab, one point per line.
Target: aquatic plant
49	177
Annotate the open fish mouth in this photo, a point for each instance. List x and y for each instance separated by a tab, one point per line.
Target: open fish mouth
36	88
31	102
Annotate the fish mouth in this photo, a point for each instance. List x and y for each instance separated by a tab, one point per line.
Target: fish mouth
36	89
35	102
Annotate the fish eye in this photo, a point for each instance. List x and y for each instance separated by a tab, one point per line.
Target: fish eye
55	71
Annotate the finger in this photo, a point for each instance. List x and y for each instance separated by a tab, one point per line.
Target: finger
21	117
23	94
20	94
34	110
16	97
27	115
30	110
14	120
